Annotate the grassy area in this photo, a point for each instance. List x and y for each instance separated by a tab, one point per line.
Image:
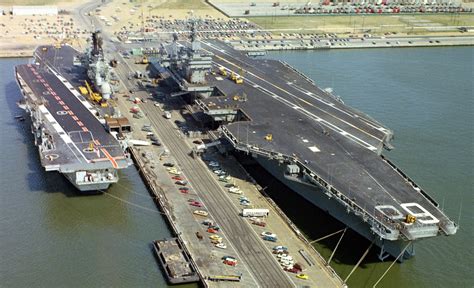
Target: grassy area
376	23
185	4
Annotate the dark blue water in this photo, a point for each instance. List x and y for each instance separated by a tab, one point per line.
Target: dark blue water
426	96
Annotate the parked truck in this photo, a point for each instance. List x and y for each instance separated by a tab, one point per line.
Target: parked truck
255	212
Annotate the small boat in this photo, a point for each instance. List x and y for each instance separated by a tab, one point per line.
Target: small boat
21	104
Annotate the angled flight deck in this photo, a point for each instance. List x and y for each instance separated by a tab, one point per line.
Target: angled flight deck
309	139
296	91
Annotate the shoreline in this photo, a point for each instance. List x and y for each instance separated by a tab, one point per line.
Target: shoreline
351	43
310	44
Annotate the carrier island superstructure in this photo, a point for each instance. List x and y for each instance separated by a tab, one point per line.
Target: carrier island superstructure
72	136
324	150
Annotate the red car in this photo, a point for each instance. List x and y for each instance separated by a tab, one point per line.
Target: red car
230	262
177	178
196	204
293	270
211	230
259	223
184	190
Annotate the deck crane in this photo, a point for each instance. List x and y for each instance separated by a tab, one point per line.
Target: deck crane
94	96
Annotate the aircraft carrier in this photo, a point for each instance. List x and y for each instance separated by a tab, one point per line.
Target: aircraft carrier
324	150
71	135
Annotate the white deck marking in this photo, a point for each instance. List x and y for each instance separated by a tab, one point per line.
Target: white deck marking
314	149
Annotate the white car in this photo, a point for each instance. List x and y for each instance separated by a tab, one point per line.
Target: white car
225	177
287	263
221	245
270	234
214	164
236	192
279	247
286	258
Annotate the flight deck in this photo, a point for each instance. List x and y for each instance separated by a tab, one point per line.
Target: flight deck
281	115
85	143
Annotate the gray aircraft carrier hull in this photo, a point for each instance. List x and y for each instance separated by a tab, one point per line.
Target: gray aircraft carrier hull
317	197
84	187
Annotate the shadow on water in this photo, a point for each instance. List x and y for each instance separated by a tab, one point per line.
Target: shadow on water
37	178
315	223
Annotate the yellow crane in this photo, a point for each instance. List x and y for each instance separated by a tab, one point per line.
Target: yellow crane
94	96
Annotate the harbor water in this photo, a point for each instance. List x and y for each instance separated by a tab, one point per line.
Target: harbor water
52	237
426	97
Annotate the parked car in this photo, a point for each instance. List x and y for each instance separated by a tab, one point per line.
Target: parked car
221	245
208	222
168	164
302	276
215	237
201	213
259	223
177	178
266	233
216	241
214	164
147	128
217	228
230	262
279	247
292	270
210	230
181	182
196	204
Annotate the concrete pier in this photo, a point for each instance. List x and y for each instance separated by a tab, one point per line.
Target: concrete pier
256	265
